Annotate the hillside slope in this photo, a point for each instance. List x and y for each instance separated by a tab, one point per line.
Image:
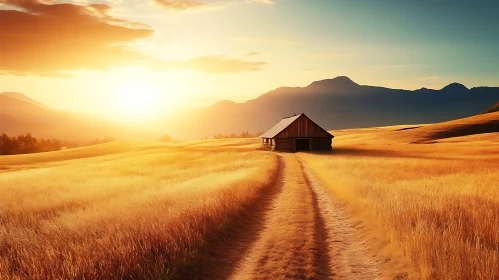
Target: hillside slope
486	124
494	108
20	115
22	97
462	127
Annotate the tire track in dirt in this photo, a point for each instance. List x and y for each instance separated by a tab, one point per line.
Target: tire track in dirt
349	257
322	261
296	231
220	258
287	248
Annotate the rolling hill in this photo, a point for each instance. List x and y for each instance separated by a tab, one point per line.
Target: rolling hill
484	126
20	114
335	104
494	108
22	97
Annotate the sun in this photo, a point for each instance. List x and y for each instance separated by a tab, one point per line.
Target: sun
138	101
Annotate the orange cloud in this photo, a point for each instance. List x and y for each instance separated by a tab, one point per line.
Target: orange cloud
46	39
182	5
53	39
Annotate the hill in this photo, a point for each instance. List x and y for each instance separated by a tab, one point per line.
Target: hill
335	104
492	109
486	125
22	97
20	114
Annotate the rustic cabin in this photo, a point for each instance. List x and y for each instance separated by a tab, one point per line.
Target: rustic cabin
297	133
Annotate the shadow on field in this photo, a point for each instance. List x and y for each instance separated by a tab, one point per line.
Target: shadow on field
356	152
225	251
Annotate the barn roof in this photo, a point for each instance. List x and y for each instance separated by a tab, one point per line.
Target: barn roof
280	126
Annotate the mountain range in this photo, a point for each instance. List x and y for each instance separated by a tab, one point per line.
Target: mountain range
336	104
333	103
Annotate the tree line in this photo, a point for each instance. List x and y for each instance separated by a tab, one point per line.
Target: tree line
242	135
27	144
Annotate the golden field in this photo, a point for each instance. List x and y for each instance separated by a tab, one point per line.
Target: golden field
425	200
122	210
436	203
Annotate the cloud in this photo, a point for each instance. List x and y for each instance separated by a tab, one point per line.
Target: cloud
38	38
213	64
46	39
183	5
218	64
180	5
268	2
265	41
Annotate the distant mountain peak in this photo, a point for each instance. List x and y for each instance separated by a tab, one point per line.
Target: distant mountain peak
338	83
24	98
16	95
455	87
224	103
344	80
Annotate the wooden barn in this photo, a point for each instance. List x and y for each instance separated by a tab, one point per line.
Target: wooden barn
297	133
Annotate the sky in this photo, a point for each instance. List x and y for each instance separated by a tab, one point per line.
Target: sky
131	58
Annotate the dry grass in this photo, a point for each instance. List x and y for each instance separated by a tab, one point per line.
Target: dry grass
438	203
123	210
147	210
423	133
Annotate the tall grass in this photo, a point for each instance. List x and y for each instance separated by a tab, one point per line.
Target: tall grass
140	212
441	208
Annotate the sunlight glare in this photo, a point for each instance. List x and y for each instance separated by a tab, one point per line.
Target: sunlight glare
139	101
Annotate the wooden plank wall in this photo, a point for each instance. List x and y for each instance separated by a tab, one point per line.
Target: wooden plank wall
289	144
284	145
303	127
321	144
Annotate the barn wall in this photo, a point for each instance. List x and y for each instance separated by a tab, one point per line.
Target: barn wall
284	145
320	144
289	144
303	127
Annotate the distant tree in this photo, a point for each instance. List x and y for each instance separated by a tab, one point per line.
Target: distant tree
165	138
218	136
245	134
6	148
25	144
97	141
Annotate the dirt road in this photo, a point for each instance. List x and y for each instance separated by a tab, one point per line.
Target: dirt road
298	232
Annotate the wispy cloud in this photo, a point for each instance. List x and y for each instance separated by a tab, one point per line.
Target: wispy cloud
253	53
184	5
213	64
261	40
181	5
269	2
330	55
